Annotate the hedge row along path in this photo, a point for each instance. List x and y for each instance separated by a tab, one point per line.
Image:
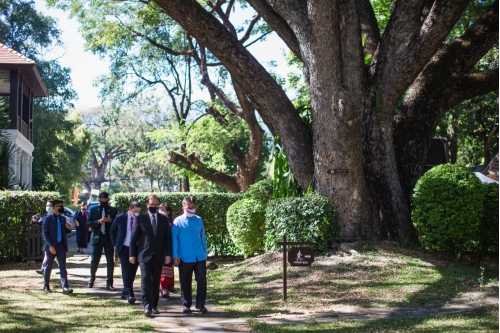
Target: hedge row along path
171	318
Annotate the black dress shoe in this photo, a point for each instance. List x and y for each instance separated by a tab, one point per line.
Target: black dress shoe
67	291
131	300
165	295
39	271
186	310
91	284
147	313
155	311
124	297
111	288
202	309
46	289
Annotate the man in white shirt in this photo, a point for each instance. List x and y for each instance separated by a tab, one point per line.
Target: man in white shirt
121	234
151	246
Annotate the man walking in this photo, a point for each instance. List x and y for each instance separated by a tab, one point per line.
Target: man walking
100	219
54	229
151	246
190	253
38	222
121	233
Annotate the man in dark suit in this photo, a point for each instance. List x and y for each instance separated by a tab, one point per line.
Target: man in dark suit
151	246
54	230
100	219
121	234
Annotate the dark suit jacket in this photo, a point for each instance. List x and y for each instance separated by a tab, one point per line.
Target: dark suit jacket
147	243
94	216
119	231
49	231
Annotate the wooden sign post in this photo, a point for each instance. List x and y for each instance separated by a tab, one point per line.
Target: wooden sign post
298	256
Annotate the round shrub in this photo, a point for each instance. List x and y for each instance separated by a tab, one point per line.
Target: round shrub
489	220
305	219
261	190
447	208
246	225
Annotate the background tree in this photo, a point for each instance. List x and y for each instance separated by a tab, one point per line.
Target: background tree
150	50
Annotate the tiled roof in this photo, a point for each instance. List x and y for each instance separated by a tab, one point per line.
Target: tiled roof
9	56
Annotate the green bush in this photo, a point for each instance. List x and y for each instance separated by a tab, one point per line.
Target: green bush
13	205
447	208
261	191
246	222
212	208
489	220
305	219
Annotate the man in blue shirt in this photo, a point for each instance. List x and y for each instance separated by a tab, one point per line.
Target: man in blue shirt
190	254
54	229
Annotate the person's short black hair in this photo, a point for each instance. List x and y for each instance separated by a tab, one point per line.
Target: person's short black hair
167	207
134	203
187	200
56	202
103	195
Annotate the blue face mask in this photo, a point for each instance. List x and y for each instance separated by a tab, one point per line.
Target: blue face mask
49	210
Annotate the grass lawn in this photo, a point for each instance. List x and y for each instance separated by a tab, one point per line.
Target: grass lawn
383	276
23	309
482	320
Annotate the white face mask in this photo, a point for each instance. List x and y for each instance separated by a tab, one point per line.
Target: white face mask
49	209
136	214
190	212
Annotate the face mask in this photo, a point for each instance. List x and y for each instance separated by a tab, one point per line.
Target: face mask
162	213
84	208
190	212
152	209
136	214
49	210
60	210
103	203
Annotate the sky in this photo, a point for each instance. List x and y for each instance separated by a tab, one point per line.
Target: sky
85	66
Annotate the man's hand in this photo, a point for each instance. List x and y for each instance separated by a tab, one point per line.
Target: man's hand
177	261
168	259
68	226
52	249
131	260
77	224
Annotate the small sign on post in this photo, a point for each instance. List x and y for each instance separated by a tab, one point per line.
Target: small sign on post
301	256
296	257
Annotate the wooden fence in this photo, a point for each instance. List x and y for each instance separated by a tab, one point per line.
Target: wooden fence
32	240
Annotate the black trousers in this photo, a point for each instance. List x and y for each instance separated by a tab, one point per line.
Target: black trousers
128	271
61	258
109	252
150	283
186	270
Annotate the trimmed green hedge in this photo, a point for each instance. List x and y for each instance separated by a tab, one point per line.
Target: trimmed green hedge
13	205
306	219
447	209
246	222
212	208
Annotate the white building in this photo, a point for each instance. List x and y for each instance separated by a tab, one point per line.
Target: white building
20	81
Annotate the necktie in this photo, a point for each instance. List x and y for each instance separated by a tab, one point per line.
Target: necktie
131	223
103	226
153	224
59	232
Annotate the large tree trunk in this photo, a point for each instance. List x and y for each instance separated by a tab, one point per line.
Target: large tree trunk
373	156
